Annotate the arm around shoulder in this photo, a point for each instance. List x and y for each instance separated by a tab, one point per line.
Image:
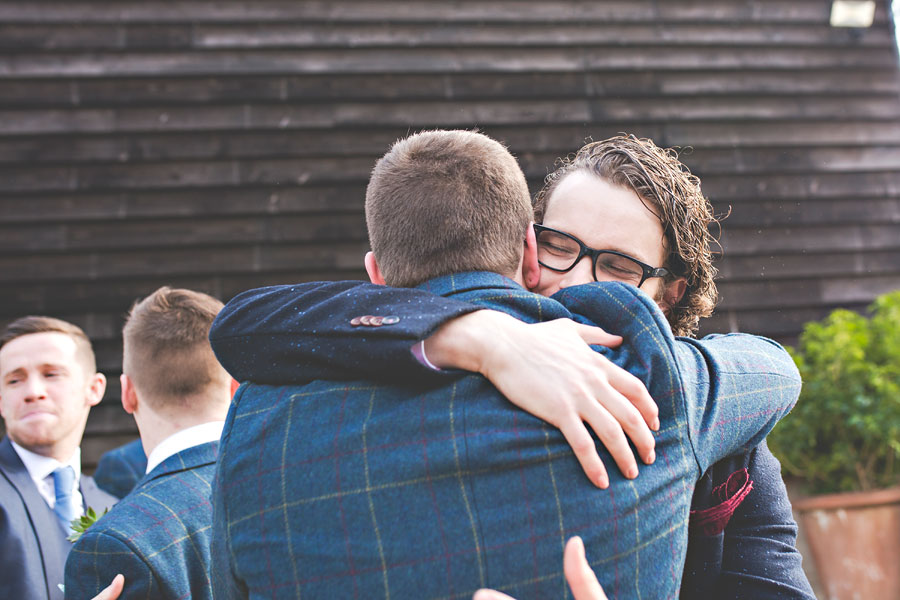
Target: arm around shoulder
292	334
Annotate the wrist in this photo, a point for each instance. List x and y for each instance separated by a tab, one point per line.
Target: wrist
465	342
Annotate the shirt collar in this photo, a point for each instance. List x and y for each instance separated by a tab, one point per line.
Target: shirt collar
184	439
39	467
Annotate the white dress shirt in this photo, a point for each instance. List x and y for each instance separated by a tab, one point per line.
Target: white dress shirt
40	469
184	439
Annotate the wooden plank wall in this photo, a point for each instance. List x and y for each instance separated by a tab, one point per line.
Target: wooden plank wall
226	145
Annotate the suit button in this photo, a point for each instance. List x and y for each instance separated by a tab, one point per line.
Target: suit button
366	320
390	320
376	321
356	321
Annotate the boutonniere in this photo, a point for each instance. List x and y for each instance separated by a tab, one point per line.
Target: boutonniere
81	524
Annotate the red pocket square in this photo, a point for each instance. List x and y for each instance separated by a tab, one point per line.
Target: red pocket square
712	521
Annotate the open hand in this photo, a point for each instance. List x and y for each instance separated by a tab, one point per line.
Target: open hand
548	370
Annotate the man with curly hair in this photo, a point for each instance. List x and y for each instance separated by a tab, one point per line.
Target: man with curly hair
635	202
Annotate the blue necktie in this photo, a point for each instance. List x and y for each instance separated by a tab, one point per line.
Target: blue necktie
65	509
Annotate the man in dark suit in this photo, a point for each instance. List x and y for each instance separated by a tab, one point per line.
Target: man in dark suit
338	489
158	535
49	384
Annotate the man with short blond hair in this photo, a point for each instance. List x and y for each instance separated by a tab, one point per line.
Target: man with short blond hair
48	384
158	535
415	242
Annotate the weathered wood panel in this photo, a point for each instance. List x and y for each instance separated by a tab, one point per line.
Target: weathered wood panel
222	146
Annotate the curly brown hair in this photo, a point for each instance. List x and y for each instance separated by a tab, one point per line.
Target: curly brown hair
657	176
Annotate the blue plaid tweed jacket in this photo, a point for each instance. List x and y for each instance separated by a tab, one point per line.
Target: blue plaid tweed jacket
157	536
365	490
121	468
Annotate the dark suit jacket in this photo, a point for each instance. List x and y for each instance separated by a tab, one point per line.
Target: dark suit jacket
157	536
121	468
33	546
293	334
343	489
743	536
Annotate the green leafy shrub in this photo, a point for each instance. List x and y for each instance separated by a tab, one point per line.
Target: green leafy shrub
844	433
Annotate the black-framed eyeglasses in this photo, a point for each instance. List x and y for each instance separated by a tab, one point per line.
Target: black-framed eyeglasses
560	252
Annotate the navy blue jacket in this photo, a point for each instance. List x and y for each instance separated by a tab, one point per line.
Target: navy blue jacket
308	334
330	490
157	536
121	468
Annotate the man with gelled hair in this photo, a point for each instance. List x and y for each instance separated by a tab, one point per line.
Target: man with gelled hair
158	535
336	488
48	384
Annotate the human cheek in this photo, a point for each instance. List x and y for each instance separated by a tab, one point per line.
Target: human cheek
549	283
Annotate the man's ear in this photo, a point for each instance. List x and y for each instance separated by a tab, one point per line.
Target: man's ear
531	270
673	293
129	395
96	389
373	270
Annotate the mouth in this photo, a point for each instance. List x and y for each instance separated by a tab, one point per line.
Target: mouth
36	414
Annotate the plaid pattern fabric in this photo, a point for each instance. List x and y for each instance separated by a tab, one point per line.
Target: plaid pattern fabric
157	536
121	468
359	490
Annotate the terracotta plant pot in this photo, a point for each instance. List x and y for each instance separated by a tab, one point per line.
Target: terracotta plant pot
855	542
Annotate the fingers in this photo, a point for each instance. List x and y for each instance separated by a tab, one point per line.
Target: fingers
491	595
597	336
613	417
113	590
610	431
585	450
634	390
578	572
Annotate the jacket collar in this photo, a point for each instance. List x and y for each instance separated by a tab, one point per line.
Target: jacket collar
191	458
459	283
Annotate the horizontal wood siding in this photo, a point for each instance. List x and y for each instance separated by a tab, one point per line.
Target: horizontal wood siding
221	146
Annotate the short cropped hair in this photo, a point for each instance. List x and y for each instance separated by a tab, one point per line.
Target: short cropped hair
39	324
442	202
673	193
166	347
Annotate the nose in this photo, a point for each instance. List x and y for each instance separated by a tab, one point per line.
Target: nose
34	389
581	273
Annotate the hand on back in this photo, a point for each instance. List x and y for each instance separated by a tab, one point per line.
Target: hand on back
548	370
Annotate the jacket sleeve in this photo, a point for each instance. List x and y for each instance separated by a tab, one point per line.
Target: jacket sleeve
737	387
97	558
734	387
297	333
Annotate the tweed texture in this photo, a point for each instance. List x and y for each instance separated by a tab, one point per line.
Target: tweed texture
157	536
283	332
363	490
